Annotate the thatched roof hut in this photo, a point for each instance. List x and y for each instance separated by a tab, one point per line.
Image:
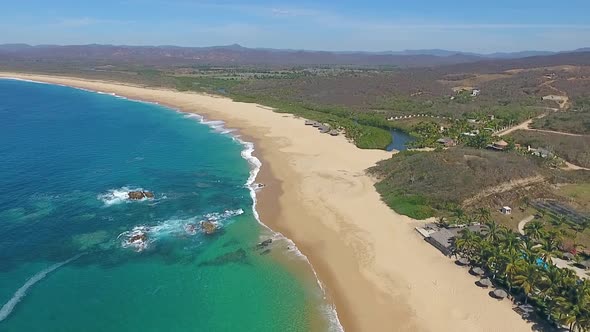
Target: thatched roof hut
478	271
463	261
499	294
484	282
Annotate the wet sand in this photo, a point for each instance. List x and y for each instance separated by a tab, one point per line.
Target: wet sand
380	274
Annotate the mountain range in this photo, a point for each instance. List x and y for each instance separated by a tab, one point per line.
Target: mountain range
238	55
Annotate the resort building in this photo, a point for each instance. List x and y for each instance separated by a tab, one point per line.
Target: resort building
442	238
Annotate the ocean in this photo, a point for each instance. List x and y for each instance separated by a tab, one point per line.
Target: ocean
76	254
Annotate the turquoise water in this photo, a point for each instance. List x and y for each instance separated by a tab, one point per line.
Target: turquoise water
67	159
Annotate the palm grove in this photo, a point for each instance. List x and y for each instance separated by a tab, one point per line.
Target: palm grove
523	265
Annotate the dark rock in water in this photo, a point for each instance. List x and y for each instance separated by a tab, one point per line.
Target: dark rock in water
265	252
137	195
264	244
208	227
238	256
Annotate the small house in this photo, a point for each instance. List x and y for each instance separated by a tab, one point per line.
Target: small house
506	210
543	153
446	141
475	92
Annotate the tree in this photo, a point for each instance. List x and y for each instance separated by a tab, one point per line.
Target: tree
549	248
483	215
534	230
468	244
528	279
493	231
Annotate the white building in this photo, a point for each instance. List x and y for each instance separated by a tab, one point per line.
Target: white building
506	210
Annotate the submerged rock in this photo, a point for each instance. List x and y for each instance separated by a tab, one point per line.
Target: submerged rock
237	256
264	244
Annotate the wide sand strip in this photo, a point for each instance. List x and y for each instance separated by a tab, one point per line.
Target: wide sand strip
381	275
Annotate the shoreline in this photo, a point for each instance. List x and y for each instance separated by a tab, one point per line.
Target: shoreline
376	270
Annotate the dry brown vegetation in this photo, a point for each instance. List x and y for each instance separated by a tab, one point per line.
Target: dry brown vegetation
574	149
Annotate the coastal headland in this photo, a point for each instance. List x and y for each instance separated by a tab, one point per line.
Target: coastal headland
377	271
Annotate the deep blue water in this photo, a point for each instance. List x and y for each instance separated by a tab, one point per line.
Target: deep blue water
67	159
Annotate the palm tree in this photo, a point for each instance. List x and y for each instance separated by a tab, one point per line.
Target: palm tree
468	244
483	215
510	242
577	307
554	278
460	215
514	263
534	230
549	247
493	231
528	279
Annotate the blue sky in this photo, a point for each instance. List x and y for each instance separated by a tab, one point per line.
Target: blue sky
371	25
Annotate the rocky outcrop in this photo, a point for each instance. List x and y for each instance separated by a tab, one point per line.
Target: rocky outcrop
138	194
208	227
264	244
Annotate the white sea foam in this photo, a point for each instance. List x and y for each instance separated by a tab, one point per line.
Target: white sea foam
255	165
142	236
22	291
121	195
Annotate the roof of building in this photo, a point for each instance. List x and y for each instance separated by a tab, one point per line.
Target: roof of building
501	143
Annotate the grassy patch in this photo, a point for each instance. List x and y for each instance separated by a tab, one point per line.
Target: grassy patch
413	206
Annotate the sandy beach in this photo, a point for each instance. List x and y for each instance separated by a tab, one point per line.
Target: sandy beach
380	274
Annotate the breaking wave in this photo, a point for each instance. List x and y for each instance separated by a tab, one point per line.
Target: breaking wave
22	291
120	195
141	237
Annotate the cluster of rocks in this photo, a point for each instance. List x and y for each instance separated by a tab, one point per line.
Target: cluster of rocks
139	194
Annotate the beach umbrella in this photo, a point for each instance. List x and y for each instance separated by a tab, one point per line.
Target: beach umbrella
478	271
484	282
463	261
499	293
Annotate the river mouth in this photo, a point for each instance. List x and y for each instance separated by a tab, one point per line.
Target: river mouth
399	140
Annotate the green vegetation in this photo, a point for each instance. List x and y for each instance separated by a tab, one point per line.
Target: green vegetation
203	84
523	266
368	132
439	182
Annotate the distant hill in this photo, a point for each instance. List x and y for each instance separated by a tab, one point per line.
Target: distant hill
235	54
220	55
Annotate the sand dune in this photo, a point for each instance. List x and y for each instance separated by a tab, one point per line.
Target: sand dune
380	274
